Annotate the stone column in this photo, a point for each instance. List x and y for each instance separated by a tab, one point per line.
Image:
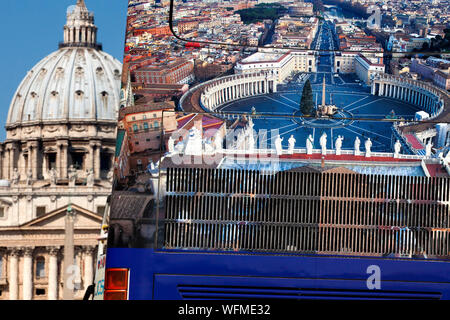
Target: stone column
88	265
1	162
12	159
83	34
53	273
97	161
78	251
27	275
62	158
58	161
6	163
33	158
13	271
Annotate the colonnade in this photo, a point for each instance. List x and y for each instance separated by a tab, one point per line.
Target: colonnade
414	92
52	273
236	87
80	35
31	155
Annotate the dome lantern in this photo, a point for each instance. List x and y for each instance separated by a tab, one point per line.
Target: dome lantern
80	29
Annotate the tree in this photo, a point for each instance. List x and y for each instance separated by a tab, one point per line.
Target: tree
306	102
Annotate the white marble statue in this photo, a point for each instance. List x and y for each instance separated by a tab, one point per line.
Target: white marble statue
323	143
447	158
357	144
444	160
72	175
218	142
338	145
194	144
29	177
180	146
397	147
110	175
240	140
309	144
250	124
368	145
278	147
90	177
15	177
53	176
291	144
428	149
150	166
171	144
250	141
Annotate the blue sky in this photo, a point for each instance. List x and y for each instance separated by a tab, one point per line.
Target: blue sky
32	29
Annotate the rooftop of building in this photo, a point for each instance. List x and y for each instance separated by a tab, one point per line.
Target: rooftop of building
149	106
264	57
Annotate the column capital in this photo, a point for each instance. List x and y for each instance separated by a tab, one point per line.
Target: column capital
95	143
32	144
14	251
78	250
89	249
62	143
10	147
28	251
53	251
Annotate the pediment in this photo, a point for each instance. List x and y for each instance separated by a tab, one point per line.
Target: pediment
85	219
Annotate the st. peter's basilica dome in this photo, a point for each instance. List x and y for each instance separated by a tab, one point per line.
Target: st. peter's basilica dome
63	116
77	82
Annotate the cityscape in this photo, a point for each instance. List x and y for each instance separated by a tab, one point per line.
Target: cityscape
242	149
224	52
254	128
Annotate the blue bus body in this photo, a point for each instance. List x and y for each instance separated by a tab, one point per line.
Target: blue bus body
164	274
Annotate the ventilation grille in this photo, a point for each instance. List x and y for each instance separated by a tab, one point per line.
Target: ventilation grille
307	212
238	292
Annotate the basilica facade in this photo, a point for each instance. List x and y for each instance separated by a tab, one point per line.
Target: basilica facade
57	158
